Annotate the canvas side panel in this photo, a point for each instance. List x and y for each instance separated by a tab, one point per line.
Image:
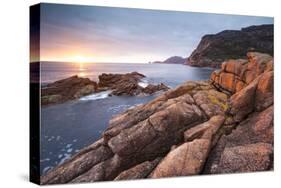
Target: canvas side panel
34	142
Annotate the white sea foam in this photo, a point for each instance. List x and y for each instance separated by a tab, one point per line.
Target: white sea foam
44	160
46	169
66	156
96	96
69	150
131	107
143	83
118	108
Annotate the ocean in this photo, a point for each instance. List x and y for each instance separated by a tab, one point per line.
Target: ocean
67	128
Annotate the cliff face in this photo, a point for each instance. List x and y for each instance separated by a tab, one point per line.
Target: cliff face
215	49
200	127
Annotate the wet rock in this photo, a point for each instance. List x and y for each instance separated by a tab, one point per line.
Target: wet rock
87	90
150	89
78	164
67	89
109	80
127	84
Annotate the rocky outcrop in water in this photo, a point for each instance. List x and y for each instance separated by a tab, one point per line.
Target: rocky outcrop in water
67	89
196	128
215	49
127	84
75	87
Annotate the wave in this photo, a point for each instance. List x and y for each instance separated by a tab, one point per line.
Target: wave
96	96
143	83
119	108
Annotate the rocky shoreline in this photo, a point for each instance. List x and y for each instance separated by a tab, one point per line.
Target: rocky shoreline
75	87
224	125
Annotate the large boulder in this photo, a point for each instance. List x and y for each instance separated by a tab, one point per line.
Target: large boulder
139	171
242	103
264	94
258	64
110	80
234	66
237	74
150	89
187	159
205	130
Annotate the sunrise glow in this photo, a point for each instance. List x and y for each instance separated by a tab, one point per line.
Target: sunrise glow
80	59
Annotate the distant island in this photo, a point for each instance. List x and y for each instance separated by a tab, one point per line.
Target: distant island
172	60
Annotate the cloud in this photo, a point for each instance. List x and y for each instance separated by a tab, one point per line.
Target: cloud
121	32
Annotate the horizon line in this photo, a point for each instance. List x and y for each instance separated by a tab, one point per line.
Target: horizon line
104	62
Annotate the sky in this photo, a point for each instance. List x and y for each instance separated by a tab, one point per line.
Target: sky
73	33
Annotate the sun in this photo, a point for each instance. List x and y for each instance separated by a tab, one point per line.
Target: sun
80	59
